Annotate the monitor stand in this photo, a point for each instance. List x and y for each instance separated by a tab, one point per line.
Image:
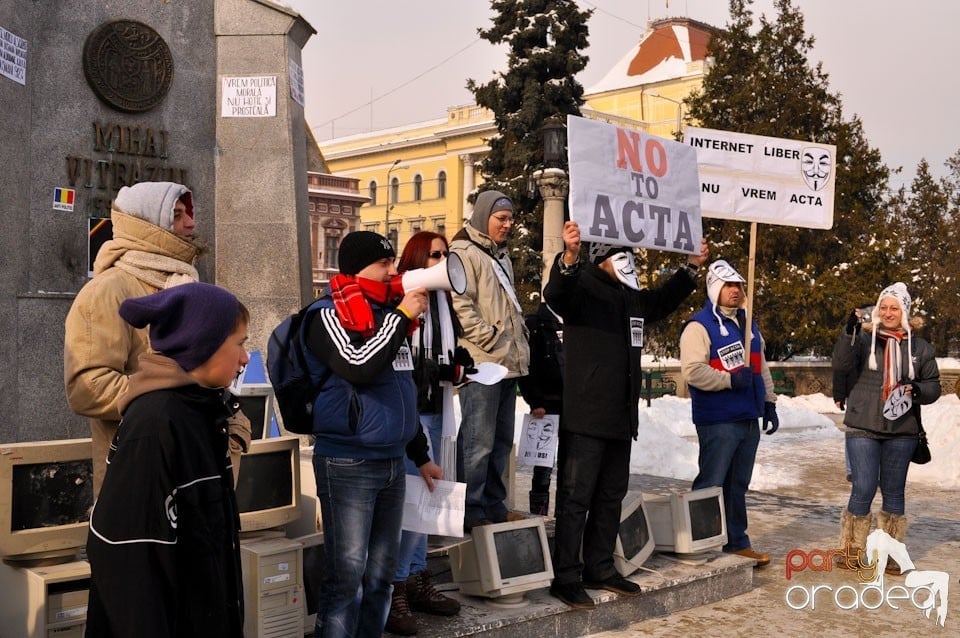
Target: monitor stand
688	559
508	601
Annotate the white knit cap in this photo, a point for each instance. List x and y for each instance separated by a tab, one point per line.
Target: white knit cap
153	202
899	293
719	273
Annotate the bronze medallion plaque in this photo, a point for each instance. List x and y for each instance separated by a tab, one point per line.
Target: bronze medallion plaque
128	65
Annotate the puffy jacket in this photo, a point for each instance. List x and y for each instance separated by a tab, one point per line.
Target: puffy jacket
163	543
493	328
366	408
864	407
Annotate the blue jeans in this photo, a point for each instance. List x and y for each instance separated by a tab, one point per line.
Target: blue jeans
361	502
483	447
874	462
727	454
413	546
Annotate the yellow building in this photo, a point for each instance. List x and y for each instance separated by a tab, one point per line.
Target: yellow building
418	177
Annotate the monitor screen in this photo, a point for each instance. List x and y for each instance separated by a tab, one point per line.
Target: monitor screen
634	533
51	494
519	552
706	520
46	494
268	483
265	481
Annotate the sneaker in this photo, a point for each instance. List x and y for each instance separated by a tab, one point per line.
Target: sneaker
573	595
400	620
422	596
748	552
617	584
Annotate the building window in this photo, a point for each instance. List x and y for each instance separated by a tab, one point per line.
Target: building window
417	188
392	236
440	226
373	193
395	190
330	249
442	184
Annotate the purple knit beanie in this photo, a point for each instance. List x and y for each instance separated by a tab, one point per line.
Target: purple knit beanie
188	323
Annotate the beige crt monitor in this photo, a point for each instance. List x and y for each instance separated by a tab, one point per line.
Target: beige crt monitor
44	602
46	492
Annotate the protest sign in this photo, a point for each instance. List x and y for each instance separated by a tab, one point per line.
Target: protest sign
629	188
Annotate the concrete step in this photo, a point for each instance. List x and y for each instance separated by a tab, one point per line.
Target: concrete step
668	586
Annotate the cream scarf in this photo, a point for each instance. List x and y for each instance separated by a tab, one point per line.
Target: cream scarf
156	270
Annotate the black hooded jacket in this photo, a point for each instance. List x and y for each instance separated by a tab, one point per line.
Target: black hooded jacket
602	377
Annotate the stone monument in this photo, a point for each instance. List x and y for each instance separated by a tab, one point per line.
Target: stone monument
96	96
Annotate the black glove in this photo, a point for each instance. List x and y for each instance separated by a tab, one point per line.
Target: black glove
770	418
451	372
741	379
461	356
853	323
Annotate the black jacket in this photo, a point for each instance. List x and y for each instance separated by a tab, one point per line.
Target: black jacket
543	385
163	543
601	370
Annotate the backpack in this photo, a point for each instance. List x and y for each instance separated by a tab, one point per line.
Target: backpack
294	386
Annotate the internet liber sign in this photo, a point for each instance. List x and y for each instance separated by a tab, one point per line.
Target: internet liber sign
629	188
771	180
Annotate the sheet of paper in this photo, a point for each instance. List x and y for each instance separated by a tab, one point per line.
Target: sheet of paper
488	373
538	443
439	512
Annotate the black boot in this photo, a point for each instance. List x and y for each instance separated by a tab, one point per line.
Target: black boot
539	503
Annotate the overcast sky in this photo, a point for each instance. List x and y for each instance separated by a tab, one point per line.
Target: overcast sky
374	65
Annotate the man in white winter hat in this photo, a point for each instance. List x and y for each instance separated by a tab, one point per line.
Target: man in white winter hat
729	393
152	248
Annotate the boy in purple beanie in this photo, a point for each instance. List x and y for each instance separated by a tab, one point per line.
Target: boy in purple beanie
163	544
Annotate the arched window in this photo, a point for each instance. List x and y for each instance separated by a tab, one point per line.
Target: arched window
418	188
373	193
395	190
442	184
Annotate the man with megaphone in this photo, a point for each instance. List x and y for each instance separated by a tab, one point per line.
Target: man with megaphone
365	420
493	331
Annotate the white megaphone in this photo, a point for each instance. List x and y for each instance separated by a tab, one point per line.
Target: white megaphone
447	275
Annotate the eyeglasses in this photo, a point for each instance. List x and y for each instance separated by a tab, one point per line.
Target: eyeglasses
503	219
437	254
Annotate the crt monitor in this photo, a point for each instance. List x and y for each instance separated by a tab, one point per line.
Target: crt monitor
268	484
503	560
46	493
635	538
689	522
256	402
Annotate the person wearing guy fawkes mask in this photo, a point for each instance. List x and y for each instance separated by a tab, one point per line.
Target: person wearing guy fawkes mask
730	392
604	312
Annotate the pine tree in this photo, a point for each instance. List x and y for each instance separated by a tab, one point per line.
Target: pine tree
545	39
762	83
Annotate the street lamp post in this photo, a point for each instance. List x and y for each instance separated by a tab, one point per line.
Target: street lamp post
554	185
386	216
679	104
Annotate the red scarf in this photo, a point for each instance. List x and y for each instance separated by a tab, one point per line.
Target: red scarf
891	359
352	296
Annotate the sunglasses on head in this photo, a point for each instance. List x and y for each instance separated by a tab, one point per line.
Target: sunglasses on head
437	254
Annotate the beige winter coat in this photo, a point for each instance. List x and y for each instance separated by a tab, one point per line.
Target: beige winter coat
493	328
100	349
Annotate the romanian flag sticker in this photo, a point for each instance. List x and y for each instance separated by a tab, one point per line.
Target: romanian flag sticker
63	199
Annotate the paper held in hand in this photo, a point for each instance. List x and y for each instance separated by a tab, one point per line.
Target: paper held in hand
538	443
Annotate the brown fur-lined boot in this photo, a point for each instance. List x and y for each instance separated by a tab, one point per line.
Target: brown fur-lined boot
896	526
853	538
